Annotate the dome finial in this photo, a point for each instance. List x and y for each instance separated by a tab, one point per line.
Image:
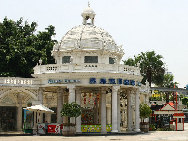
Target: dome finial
88	4
88	14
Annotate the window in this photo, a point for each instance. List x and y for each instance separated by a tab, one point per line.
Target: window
66	59
111	60
91	59
179	120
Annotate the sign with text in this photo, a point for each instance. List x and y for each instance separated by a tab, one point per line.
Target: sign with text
62	81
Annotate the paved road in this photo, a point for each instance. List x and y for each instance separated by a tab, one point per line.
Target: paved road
151	136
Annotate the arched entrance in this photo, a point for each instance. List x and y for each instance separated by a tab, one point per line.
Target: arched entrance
12	102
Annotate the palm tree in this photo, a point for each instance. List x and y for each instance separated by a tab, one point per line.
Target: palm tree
151	65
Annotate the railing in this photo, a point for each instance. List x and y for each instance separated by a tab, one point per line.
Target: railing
17	81
87	67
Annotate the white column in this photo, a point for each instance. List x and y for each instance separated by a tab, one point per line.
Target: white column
59	105
78	119
71	93
137	112
48	115
118	111
114	109
108	114
103	110
71	98
129	111
19	113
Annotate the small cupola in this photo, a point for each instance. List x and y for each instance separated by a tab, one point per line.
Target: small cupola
88	15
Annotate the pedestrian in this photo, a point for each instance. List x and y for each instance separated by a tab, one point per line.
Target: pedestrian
46	127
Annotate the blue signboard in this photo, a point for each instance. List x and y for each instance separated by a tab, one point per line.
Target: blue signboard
126	82
114	81
132	82
119	81
103	81
92	80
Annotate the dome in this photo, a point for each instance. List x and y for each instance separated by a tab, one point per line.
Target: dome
87	37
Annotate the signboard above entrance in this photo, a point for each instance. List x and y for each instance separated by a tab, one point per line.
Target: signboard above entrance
114	81
62	81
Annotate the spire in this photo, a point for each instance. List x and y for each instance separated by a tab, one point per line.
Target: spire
88	14
88	4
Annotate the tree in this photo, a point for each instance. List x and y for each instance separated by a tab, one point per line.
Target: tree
185	101
71	110
145	111
168	81
21	47
151	65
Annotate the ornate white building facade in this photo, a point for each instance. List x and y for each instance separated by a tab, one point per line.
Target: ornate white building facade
88	72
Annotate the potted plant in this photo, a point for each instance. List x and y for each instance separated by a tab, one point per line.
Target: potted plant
70	110
145	112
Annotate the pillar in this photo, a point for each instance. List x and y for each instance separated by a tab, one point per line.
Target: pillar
114	109
19	113
35	124
108	114
59	105
129	111
65	100
118	112
71	98
78	119
137	112
71	93
48	115
103	110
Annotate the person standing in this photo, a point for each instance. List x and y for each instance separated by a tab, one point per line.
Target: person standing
46	127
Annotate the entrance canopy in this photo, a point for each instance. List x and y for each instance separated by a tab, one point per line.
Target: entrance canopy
39	108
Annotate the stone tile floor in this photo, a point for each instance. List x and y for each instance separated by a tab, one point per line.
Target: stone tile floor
151	136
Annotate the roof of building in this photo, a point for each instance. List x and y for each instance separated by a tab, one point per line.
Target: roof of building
87	37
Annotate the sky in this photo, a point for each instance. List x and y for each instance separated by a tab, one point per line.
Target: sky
138	25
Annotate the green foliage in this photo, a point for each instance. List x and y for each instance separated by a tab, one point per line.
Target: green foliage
155	98
152	127
145	111
169	81
151	65
71	110
21	47
185	100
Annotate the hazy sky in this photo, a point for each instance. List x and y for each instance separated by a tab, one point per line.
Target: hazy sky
138	25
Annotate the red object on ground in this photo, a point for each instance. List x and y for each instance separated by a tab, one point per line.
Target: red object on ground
51	128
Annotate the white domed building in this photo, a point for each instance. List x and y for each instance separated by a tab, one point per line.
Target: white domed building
88	72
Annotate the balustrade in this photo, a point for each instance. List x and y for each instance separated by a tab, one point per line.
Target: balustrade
18	81
87	67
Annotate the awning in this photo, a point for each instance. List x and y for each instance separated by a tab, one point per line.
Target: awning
39	108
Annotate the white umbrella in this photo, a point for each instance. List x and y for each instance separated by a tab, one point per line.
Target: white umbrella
39	108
